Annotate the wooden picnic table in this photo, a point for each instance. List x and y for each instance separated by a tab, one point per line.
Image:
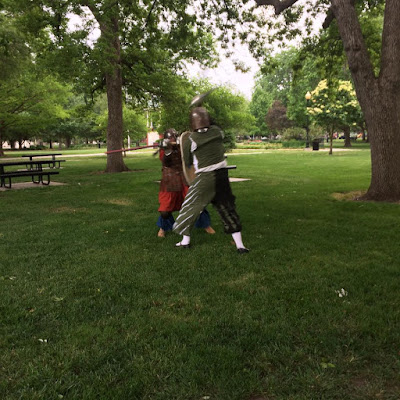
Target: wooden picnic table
53	155
34	169
52	163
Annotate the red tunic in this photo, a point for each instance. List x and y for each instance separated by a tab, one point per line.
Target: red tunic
173	187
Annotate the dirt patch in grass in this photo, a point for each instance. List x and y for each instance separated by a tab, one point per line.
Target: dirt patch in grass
348	196
69	210
119	202
356	196
364	386
242	280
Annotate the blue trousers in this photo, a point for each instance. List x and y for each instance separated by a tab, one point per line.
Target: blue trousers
166	224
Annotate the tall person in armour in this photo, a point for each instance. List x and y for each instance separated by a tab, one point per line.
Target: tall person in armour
173	187
205	151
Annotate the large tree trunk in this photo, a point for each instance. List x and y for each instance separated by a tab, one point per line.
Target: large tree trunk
115	161
347	141
384	136
379	97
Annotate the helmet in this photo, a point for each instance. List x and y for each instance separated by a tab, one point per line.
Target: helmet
199	118
170	134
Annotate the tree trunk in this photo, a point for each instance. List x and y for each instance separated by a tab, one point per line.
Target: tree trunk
331	141
384	137
50	144
1	139
115	162
346	131
1	147
379	97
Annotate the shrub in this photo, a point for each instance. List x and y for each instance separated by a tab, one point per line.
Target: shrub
293	133
37	147
277	144
293	144
229	141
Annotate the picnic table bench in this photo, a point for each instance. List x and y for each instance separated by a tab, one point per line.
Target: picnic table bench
34	169
51	163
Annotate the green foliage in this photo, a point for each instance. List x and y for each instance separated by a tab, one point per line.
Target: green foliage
334	105
175	102
228	110
306	77
260	103
272	84
30	103
14	52
293	133
293	144
135	124
286	77
154	42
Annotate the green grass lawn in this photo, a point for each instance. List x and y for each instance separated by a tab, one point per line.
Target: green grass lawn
95	306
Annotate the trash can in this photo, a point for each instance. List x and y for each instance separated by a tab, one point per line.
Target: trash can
315	144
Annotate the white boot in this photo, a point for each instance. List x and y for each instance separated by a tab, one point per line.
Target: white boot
237	237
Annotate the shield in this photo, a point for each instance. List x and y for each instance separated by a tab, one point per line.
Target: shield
188	170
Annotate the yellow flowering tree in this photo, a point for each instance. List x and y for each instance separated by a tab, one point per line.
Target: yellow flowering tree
334	106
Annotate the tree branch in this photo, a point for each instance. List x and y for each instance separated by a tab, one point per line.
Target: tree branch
151	10
330	16
279	5
355	48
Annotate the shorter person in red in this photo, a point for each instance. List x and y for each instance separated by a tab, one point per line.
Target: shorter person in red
173	187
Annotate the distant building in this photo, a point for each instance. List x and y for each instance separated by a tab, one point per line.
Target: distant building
26	144
152	137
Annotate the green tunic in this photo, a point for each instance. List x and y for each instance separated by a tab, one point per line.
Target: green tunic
205	150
